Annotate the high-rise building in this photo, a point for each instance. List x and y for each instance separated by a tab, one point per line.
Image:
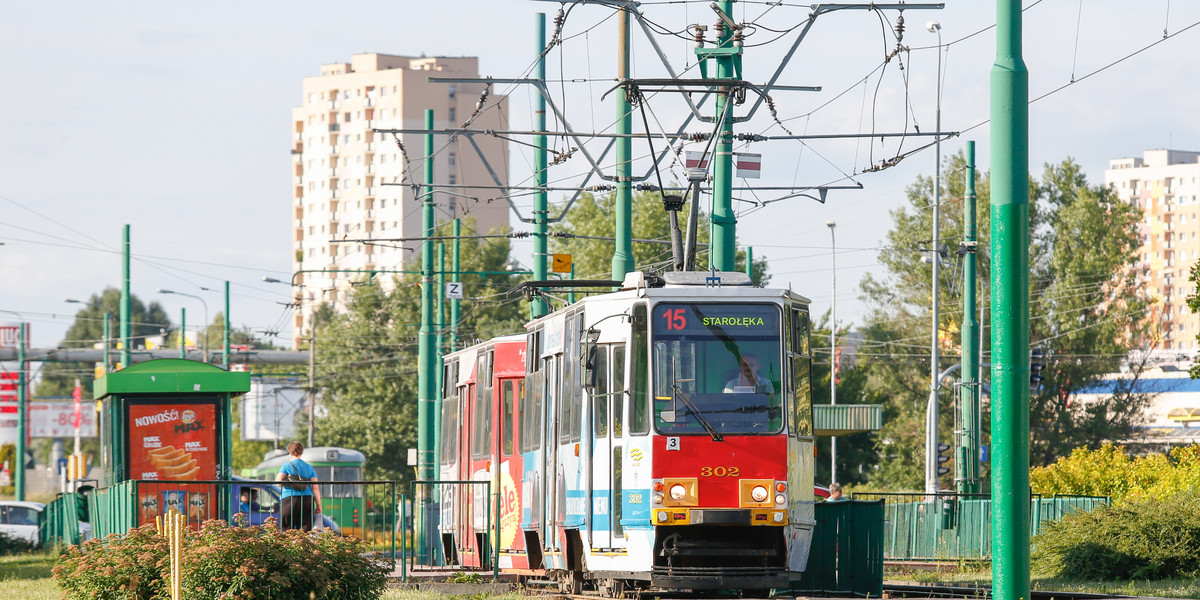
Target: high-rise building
1166	185
352	184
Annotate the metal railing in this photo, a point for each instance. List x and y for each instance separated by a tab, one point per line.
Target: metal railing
951	526
443	537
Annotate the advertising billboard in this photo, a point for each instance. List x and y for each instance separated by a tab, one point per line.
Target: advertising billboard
49	419
176	442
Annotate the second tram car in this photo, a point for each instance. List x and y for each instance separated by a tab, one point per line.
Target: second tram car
660	435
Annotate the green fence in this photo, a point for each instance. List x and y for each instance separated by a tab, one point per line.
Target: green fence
948	526
847	549
363	509
59	522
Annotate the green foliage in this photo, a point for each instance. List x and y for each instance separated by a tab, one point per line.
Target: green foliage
1084	312
368	355
1141	539
220	561
58	378
11	545
1110	471
592	216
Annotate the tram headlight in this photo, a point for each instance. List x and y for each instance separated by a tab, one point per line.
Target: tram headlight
658	498
780	499
678	492
759	493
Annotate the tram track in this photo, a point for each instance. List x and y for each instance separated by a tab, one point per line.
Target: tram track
889	591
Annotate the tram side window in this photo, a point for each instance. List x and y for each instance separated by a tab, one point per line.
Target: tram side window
506	421
639	413
802	413
531	411
484	401
600	395
449	430
567	412
618	388
576	387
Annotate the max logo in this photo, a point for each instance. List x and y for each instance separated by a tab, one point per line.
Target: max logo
186	427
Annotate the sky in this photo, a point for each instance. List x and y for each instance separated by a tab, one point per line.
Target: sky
176	120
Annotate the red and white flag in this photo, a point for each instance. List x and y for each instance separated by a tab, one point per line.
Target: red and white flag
696	160
748	165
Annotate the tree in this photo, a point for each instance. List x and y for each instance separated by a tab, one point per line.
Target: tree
58	379
857	455
367	356
1083	270
593	217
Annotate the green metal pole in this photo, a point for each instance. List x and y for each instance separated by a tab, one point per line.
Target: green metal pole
1010	309
967	463
622	261
541	208
225	335
107	343
454	302
426	369
183	333
750	261
18	469
440	318
126	305
571	294
721	253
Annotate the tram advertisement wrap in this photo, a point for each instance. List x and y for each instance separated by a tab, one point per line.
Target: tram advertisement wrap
173	442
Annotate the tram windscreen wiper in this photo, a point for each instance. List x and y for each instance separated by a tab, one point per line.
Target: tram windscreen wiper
687	402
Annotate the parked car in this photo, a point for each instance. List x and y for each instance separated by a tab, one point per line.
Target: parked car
20	520
261	499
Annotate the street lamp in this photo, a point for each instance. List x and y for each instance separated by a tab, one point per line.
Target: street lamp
206	322
833	349
931	410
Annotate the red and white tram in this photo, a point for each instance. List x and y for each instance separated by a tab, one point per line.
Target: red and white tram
662	437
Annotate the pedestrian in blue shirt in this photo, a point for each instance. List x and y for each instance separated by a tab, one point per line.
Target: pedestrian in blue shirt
301	499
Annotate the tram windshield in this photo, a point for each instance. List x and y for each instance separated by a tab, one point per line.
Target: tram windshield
717	369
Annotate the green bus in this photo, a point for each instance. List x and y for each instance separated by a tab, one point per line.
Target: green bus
342	502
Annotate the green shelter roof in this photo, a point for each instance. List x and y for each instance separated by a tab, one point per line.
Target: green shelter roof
171	376
843	419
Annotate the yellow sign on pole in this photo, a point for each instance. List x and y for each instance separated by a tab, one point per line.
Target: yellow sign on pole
561	263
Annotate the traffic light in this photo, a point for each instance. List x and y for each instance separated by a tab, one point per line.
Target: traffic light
943	458
1037	362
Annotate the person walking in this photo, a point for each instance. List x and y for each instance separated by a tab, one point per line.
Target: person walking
301	498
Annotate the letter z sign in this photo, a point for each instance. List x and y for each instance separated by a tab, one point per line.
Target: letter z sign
454	290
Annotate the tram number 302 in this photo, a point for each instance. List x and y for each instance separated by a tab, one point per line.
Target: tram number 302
720	471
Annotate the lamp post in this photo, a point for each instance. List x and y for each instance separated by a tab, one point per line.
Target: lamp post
833	348
206	323
931	410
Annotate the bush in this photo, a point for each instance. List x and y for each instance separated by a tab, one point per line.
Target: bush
1139	539
1110	471
13	545
220	561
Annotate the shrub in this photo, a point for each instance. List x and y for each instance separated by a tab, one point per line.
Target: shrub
13	545
1139	539
1109	471
220	561
118	566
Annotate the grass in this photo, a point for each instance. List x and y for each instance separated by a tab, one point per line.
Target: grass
27	577
968	574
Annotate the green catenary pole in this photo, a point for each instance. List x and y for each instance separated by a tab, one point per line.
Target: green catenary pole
440	316
125	299
426	369
721	253
183	333
18	467
225	334
750	262
107	343
622	261
541	209
454	302
1010	308
967	463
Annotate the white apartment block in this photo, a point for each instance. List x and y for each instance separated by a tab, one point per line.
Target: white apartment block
1166	185
341	168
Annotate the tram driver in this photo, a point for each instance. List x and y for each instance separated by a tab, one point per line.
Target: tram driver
748	379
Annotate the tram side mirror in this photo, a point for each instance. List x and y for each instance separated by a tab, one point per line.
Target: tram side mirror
591	361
